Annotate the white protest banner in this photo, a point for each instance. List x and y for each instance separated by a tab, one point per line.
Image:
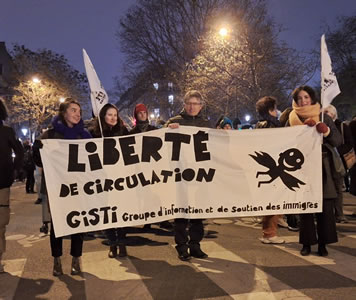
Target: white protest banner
329	86
98	95
189	172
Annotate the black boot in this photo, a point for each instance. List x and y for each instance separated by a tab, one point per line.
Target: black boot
44	228
195	251
122	251
112	252
183	254
75	266
322	250
305	250
57	267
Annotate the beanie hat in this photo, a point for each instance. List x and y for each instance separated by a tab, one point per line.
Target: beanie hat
224	122
139	107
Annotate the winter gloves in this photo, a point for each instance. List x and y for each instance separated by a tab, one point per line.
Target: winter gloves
320	126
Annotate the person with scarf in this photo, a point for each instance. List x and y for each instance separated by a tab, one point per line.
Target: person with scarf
306	110
68	125
112	125
266	108
142	125
8	166
191	115
141	120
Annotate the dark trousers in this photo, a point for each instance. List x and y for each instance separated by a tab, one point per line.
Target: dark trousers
196	233
30	180
116	236
325	230
76	246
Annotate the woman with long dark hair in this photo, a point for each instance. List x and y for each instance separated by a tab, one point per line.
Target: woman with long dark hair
306	110
112	125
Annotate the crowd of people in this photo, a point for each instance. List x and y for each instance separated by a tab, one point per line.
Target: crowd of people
188	233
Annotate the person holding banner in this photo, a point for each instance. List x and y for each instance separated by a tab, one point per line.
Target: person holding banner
68	124
112	125
266	108
9	143
191	115
306	110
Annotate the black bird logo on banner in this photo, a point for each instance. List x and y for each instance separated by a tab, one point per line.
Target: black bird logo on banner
289	161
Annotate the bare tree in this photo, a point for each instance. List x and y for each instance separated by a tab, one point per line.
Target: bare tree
177	41
342	47
235	70
36	101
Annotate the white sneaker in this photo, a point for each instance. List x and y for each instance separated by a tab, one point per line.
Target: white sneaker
282	223
272	240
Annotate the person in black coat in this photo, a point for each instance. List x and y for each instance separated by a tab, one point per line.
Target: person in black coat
69	125
112	125
306	111
141	118
191	115
346	146
266	108
8	166
142	125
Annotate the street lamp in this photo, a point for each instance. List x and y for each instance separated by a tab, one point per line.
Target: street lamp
62	99
36	80
24	131
223	32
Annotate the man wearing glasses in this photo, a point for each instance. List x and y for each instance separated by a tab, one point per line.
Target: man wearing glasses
189	116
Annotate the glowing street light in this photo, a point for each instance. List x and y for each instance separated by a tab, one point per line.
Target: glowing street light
36	80
223	31
62	99
152	116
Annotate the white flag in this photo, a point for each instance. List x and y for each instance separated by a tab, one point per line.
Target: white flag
98	95
329	86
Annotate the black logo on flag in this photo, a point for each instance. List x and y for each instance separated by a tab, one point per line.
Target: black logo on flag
289	161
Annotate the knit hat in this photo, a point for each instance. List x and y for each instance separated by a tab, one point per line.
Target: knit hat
139	107
224	122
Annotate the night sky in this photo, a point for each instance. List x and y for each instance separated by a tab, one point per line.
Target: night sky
67	26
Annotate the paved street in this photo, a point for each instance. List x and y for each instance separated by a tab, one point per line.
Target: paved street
238	267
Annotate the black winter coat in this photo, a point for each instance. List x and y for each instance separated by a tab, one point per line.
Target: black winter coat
139	129
184	119
9	143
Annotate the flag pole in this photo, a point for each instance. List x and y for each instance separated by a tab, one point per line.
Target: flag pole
98	95
329	86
